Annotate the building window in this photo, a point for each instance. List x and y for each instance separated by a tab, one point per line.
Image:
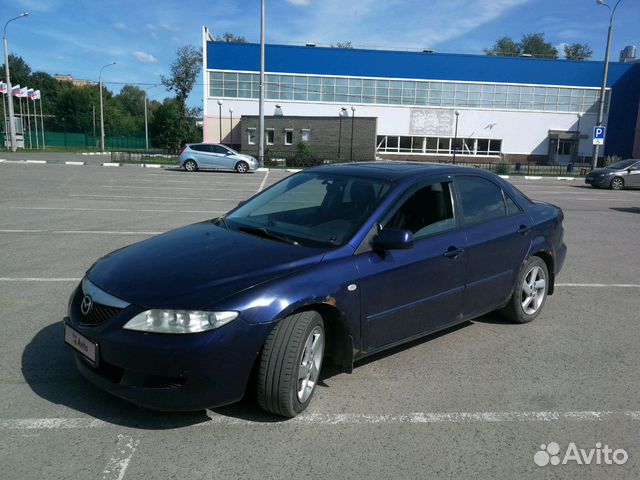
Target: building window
564	147
438	145
251	136
270	135
288	136
306	135
425	93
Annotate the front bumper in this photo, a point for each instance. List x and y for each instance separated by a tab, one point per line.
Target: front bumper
598	181
171	372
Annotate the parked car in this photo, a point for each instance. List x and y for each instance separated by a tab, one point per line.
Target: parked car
195	156
619	175
337	261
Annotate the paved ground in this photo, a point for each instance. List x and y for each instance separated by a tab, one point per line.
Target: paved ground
476	402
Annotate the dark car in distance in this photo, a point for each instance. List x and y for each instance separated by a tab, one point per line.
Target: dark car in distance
337	261
618	175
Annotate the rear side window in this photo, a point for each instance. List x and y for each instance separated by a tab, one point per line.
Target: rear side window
481	200
199	148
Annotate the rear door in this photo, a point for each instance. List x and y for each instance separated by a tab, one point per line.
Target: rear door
498	240
202	155
406	293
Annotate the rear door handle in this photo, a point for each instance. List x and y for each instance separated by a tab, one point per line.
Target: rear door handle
523	229
453	252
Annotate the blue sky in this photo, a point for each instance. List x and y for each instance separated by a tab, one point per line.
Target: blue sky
79	36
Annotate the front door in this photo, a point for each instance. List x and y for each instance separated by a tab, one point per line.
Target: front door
406	293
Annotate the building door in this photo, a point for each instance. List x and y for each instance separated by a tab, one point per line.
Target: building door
565	150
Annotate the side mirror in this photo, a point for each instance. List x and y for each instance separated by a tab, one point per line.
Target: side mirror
393	239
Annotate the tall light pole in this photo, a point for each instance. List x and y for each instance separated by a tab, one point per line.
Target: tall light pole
101	107
220	120
580	115
353	121
231	125
343	113
455	136
146	123
605	74
12	124
261	99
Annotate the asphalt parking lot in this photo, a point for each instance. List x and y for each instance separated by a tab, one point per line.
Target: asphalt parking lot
478	401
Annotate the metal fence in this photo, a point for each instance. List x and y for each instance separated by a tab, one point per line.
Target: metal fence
294	159
81	141
148	156
504	168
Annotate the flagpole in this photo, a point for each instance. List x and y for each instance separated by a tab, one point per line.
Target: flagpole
4	112
35	118
29	120
42	121
22	121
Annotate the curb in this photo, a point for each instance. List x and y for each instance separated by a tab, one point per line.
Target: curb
152	165
110	164
36	162
292	170
526	177
75	163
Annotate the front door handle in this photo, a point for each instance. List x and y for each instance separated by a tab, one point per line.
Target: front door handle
453	252
523	229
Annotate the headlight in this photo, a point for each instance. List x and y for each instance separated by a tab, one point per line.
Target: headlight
179	321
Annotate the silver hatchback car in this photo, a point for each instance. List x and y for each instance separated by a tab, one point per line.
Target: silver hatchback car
194	156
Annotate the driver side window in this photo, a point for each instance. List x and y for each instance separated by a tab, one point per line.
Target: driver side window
427	212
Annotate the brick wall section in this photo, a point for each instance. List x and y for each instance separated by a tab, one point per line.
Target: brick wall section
325	132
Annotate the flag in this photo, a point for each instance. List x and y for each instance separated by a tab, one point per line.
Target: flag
36	95
3	87
15	90
23	93
30	93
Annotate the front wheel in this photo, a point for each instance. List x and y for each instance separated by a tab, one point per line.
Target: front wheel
530	292
617	183
290	364
242	167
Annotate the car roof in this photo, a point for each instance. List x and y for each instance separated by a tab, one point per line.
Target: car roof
392	170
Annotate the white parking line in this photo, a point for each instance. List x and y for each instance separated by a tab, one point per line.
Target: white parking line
216	188
36	279
87	232
83	209
264	180
119	461
599	285
348	418
138	197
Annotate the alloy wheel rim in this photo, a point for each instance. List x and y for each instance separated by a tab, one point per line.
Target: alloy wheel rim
190	166
617	183
242	168
310	362
533	290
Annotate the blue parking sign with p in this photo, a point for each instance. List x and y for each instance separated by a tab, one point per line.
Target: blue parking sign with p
598	135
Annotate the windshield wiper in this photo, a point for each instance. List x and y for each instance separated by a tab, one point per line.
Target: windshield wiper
223	220
263	232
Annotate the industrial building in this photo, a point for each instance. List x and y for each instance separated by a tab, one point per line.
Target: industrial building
425	104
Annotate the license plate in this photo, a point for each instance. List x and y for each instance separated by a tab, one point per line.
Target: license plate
82	344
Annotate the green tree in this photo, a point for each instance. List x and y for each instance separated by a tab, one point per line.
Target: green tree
534	44
20	71
504	47
346	44
184	71
171	127
230	38
131	100
577	51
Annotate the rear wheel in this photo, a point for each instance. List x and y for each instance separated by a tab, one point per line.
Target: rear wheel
290	364
190	166
617	183
530	292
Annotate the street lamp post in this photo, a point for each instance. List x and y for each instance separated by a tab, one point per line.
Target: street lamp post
220	120
580	115
12	124
102	107
231	126
455	136
342	113
605	74
146	123
353	120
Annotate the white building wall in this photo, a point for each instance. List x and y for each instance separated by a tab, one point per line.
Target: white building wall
521	132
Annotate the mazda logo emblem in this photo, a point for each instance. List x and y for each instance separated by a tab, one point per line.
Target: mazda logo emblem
86	305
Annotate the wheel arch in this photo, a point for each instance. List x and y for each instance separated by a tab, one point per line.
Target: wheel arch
547	258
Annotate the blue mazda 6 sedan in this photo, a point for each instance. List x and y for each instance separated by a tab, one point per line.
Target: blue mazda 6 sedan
336	262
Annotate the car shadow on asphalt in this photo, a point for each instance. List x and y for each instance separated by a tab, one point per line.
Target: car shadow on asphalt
219	172
626	209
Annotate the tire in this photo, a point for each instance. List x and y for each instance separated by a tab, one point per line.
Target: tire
190	166
617	183
527	301
281	389
242	167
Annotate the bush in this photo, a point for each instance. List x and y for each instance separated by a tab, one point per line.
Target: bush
609	159
503	168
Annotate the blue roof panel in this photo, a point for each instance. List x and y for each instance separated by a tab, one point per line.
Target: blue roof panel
415	65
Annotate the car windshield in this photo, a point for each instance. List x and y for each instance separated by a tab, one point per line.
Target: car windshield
622	164
311	209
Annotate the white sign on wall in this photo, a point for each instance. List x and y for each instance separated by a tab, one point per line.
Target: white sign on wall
431	121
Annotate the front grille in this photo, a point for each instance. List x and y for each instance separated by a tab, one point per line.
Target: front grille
99	314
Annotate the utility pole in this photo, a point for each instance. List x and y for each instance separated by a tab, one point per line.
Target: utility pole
261	99
12	120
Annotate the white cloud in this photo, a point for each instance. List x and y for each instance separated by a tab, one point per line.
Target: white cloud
144	57
161	26
299	3
119	26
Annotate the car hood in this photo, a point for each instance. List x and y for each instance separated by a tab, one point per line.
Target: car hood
195	266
